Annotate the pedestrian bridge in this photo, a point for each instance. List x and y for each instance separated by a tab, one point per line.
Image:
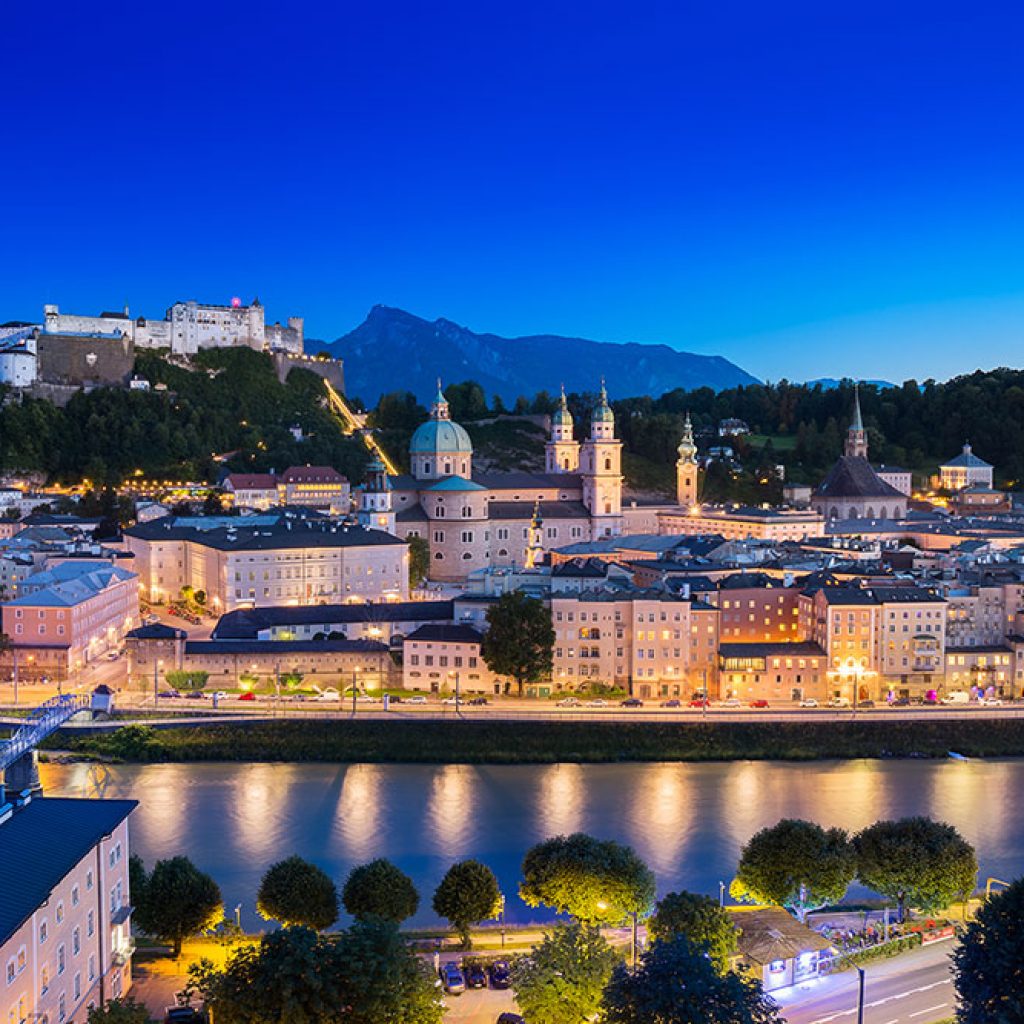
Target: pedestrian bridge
41	722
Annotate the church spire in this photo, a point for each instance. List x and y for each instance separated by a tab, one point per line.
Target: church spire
440	410
858	423
856	435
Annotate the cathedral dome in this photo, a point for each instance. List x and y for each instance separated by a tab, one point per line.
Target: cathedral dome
440	436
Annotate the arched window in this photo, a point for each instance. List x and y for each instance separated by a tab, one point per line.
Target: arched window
884	513
607	463
447	469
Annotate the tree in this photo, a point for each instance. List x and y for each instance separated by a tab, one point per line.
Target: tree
178	901
700	920
520	639
118	1011
293	891
597	881
795	864
289	975
468	894
419	561
562	981
187	680
988	965
385	981
675	983
379	889
925	862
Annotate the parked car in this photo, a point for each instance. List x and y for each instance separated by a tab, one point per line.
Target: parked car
113	655
865	703
631	702
184	1015
510	1018
808	702
597	703
732	702
900	702
500	974
759	703
991	702
671	703
248	695
839	702
452	978
475	975
329	694
478	702
220	695
418	699
169	695
956	697
196	695
568	702
452	700
697	702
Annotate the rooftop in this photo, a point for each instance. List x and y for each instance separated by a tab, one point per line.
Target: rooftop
852	476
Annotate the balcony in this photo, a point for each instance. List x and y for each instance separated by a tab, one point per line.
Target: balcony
122	953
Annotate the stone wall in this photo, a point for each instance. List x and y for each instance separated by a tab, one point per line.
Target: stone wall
77	360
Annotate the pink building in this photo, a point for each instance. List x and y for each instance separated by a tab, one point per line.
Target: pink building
65	927
69	615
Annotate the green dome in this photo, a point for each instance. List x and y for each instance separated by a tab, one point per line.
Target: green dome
442	437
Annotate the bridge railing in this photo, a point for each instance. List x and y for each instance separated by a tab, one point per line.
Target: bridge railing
43	720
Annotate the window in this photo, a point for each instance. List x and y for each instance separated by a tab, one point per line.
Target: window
60	912
10	971
78	985
88	880
62	958
44	979
76	942
42	933
90	924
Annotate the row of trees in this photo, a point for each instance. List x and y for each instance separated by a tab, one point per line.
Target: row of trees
803	867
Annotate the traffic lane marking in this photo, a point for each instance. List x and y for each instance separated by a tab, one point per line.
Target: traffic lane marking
930	1009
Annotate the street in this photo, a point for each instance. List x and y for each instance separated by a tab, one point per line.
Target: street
915	988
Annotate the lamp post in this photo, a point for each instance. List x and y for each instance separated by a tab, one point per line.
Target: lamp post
458	699
355	687
860	986
721	894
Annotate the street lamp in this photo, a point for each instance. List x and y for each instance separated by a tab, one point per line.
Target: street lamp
458	701
860	985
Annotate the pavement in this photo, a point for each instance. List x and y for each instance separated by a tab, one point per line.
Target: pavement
914	988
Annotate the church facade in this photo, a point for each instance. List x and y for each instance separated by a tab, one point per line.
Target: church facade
474	520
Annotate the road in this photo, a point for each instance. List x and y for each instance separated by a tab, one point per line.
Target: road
915	988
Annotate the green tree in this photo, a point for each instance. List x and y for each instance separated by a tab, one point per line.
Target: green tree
700	920
520	639
597	881
187	680
178	901
675	983
468	894
290	975
293	891
917	860
419	561
988	964
385	981
379	889
795	864
118	1011
563	979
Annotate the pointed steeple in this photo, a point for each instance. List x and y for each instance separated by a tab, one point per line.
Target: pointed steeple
687	448
440	410
856	435
858	423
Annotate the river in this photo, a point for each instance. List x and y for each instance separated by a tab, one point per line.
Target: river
688	821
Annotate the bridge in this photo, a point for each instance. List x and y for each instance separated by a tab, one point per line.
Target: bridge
17	755
353	422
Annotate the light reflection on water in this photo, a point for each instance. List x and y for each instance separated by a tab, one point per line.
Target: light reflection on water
688	821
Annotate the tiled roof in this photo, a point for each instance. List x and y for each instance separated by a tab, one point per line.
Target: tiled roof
853	477
803	649
312	475
548	510
41	843
445	633
245	623
251	481
200	647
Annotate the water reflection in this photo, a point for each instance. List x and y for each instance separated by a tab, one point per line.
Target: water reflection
359	810
450	808
660	816
560	799
258	809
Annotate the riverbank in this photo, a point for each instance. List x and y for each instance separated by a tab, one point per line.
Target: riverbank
509	742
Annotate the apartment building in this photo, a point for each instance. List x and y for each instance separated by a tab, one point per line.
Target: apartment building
319	487
65	919
776	672
439	657
279	558
754	607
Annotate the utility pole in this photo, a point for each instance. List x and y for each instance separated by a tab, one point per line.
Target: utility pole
14	655
156	684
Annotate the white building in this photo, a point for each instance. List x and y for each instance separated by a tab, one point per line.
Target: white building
966	470
18	364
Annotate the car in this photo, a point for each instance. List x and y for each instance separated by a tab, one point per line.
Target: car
184	1015
991	702
478	702
169	695
732	702
418	699
697	702
452	700
394	698
328	695
865	703
196	695
808	702
500	974
671	703
568	702
248	695
475	975
220	695
452	979
510	1018
631	702
597	703
956	697
839	702
900	702
113	655
759	703
150	619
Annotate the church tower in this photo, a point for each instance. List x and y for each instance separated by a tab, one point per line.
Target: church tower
686	467
601	469
562	451
856	435
375	506
535	542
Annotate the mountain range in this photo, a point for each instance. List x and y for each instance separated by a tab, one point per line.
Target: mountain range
394	350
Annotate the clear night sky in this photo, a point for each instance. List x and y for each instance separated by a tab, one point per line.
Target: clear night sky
807	188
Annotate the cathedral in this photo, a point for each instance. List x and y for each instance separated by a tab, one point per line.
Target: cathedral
475	520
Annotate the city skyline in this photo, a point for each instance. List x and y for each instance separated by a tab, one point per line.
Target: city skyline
811	194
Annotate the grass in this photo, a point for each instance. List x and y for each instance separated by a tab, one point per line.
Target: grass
509	742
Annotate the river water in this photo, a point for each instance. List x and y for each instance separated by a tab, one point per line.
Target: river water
688	821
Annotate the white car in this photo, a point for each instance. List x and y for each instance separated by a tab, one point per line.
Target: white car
732	702
415	700
568	702
328	695
365	698
220	695
598	703
991	702
808	702
453	700
839	702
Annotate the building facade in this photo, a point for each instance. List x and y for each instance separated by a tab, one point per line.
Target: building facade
965	470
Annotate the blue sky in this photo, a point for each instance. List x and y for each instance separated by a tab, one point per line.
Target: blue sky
808	189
